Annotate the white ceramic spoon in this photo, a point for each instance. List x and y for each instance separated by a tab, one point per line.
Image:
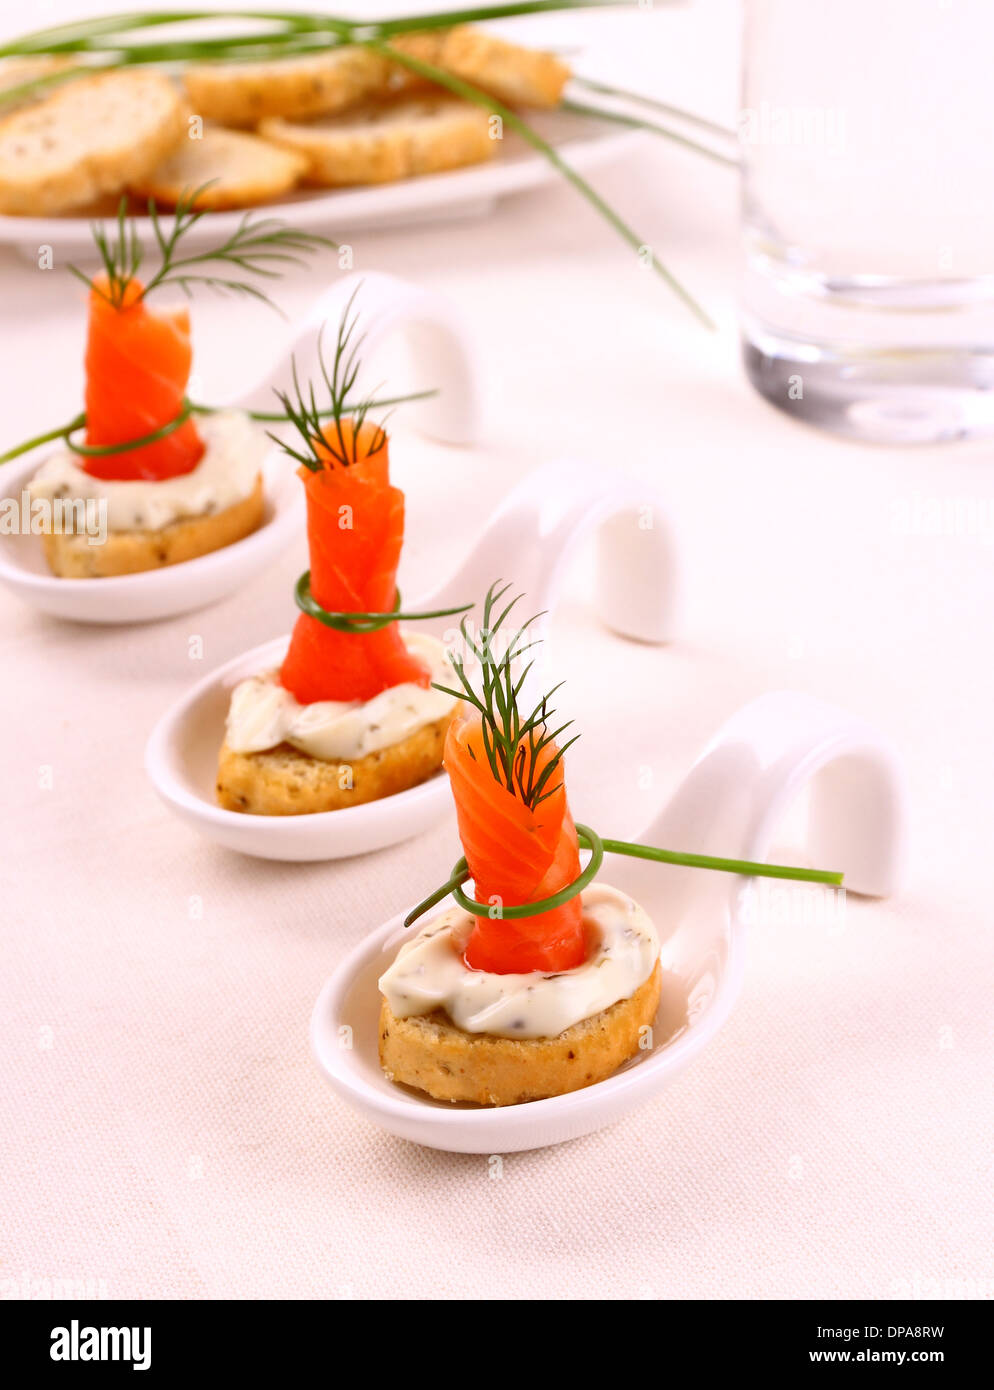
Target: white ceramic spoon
442	358
529	541
729	805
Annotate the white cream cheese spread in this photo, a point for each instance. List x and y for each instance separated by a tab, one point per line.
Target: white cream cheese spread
233	452
430	973
264	714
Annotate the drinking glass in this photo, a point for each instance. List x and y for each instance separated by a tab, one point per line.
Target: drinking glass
868	216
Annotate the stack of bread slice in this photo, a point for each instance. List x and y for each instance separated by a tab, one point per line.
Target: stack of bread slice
252	132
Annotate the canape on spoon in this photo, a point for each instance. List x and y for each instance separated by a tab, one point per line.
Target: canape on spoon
351	714
731	803
544	981
538	531
444	396
166	479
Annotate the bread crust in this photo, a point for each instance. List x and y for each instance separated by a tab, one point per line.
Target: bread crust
284	781
93	136
431	1054
243	94
514	75
387	141
241	170
132	552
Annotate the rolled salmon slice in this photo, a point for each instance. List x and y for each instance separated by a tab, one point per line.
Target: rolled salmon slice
355	532
515	855
137	368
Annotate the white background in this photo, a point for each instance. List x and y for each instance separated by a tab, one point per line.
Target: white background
162	1126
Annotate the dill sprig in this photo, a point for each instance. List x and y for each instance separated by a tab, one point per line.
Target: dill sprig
516	746
259	246
121	256
308	418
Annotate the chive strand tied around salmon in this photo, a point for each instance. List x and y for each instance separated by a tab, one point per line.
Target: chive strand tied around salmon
518	836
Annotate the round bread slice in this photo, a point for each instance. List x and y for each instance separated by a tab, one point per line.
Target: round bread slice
243	94
18	72
514	75
284	781
390	141
130	552
430	1053
95	135
517	76
241	170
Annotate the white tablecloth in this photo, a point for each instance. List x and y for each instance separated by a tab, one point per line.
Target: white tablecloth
163	1129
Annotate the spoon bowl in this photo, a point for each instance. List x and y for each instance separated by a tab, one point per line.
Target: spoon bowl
158	593
181	759
729	804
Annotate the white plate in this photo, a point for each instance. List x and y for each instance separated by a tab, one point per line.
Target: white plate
153	594
585	144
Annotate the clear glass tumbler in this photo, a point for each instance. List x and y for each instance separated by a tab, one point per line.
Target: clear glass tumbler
867	134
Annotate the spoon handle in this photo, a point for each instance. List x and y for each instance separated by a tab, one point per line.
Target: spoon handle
441	353
757	765
539	529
